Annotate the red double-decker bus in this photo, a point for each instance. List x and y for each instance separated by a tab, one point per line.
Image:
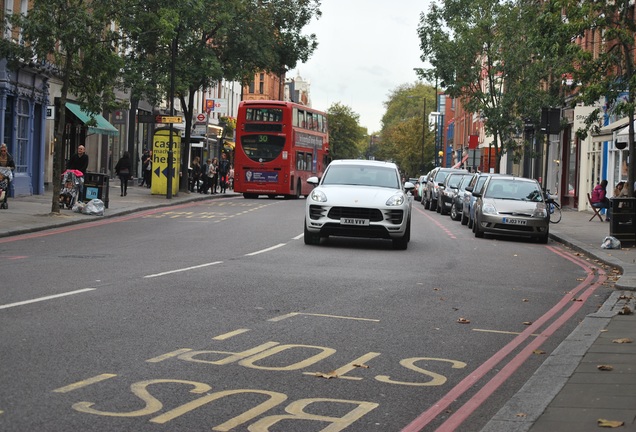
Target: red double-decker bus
279	145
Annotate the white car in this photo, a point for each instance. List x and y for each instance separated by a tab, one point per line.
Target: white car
359	198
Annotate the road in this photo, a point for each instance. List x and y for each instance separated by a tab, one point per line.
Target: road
216	316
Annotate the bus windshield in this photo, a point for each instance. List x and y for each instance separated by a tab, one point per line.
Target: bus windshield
264	114
262	148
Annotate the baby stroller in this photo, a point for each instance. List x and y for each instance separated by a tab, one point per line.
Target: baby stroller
72	181
6	177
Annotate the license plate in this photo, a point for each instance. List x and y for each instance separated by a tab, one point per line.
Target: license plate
354	221
514	221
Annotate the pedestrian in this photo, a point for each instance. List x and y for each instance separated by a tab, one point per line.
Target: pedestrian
599	198
230	177
6	161
195	174
148	170
79	161
215	176
145	159
123	169
224	169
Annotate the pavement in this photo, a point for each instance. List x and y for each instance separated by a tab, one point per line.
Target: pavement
567	393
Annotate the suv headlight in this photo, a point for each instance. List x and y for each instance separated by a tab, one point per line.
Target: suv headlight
318	196
396	200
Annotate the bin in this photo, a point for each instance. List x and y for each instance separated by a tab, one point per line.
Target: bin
623	220
96	185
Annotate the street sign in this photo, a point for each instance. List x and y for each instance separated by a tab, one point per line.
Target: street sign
168	119
201	117
218	106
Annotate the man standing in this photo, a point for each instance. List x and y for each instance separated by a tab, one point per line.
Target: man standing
79	161
224	169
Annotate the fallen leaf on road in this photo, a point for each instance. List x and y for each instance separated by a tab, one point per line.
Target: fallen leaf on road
537	351
463	321
435	289
609	423
522	415
622	340
525	300
575	299
625	311
527	322
580	279
605	367
361	365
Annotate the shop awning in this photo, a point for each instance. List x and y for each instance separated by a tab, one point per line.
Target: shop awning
623	134
606	133
102	125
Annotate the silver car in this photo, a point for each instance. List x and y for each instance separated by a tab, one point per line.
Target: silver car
510	205
359	198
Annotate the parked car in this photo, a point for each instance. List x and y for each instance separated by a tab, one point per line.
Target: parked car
457	206
422	188
476	184
359	198
431	192
514	206
448	191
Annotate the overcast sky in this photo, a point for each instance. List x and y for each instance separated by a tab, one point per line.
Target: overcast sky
367	48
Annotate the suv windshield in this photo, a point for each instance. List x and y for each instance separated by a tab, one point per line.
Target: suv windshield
361	175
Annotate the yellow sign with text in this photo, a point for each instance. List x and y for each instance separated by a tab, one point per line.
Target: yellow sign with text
160	155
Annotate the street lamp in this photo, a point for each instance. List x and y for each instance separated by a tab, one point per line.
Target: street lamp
439	153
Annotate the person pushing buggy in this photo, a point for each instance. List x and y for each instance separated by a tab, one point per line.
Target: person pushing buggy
6	176
72	181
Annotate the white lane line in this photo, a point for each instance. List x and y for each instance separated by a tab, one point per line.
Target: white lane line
299	236
35	300
266	250
183	269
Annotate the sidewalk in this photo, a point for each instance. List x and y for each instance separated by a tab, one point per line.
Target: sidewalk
567	393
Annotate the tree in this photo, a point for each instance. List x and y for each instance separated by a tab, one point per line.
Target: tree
406	138
504	60
75	36
211	40
608	73
345	133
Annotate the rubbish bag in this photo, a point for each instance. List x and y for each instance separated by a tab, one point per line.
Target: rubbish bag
611	243
94	207
78	207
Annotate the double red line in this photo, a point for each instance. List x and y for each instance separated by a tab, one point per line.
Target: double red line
596	276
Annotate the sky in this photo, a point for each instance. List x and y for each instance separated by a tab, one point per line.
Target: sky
366	50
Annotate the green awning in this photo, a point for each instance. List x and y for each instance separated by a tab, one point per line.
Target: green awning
102	125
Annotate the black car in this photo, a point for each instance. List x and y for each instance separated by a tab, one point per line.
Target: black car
448	190
457	207
431	191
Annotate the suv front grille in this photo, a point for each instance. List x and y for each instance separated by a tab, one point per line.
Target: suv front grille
374	215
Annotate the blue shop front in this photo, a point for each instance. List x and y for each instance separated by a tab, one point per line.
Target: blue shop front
23	102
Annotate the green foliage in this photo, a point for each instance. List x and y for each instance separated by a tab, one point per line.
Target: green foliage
345	134
405	125
504	60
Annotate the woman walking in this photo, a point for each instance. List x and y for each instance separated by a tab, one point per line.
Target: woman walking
122	169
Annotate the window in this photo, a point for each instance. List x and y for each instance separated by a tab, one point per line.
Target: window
22	136
251	90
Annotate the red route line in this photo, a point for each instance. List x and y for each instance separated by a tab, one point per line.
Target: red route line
84	225
436	222
475	402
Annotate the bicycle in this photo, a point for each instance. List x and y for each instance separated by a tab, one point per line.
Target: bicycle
554	208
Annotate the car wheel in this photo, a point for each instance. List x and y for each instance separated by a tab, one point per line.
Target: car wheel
477	230
543	238
438	207
470	223
464	219
403	242
453	213
425	203
311	238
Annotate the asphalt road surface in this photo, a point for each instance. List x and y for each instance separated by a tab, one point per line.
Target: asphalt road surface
216	316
